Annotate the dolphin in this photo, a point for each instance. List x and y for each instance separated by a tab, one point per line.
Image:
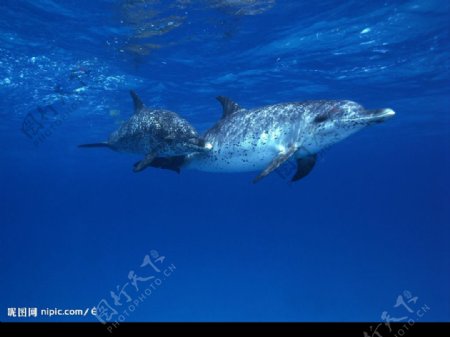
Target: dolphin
264	138
153	132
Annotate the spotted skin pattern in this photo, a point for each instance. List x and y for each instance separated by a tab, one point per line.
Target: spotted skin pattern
150	130
249	140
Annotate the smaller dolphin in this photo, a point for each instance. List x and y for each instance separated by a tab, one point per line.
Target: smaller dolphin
154	133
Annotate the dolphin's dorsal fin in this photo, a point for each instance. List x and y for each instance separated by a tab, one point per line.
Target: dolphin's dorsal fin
229	107
138	105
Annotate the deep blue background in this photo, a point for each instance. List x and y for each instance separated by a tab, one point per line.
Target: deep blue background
371	221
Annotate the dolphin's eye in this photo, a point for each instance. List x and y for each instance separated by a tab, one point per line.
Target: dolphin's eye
322	117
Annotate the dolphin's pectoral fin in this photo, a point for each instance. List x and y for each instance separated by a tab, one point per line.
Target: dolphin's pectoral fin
276	163
169	163
144	163
304	166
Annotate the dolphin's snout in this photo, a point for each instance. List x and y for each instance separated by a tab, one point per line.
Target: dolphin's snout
376	115
388	112
384	115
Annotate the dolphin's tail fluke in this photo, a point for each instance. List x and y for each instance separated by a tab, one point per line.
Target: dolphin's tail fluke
96	145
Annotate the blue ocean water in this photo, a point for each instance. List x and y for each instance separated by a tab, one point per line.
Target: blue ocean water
365	237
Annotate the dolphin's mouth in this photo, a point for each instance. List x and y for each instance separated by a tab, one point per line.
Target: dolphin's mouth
374	116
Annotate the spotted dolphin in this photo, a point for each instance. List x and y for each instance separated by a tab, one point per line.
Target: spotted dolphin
262	139
153	133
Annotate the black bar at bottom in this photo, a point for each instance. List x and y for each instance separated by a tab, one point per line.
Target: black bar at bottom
374	329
